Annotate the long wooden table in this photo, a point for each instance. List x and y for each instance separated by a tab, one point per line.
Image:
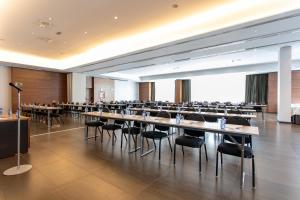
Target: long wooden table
230	129
247	116
49	109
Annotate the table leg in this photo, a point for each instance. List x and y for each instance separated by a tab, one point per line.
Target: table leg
49	122
242	161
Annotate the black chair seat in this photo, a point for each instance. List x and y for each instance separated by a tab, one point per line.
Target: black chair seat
94	123
111	127
189	141
234	150
133	130
154	134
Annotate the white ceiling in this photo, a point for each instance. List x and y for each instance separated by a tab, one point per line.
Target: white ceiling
90	32
258	56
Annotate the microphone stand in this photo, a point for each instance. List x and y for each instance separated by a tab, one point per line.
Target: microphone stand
19	169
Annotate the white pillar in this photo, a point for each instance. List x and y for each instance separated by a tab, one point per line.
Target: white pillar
284	84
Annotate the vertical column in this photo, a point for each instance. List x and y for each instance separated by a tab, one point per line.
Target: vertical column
284	84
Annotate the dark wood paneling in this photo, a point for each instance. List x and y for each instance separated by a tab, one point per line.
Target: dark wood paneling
145	91
178	91
272	93
272	90
39	86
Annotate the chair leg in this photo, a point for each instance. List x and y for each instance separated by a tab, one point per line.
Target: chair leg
147	142
174	160
200	160
253	172
154	143
87	132
217	163
205	152
221	159
159	149
170	144
95	133
122	139
182	149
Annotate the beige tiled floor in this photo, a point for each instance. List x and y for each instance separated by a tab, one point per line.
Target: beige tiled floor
65	166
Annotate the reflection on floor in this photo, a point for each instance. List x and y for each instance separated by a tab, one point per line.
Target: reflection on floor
65	166
40	127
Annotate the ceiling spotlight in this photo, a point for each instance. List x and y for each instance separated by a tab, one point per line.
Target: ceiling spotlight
44	24
116	17
85	32
175	6
50	18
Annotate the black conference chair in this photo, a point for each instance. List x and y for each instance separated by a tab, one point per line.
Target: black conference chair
230	148
96	124
159	132
116	125
192	138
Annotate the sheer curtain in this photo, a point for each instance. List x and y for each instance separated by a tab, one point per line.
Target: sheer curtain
165	90
223	87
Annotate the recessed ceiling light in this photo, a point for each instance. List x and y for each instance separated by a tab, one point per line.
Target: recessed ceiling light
50	18
85	32
44	24
175	6
115	17
32	33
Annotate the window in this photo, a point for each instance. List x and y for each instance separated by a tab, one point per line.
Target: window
165	90
223	87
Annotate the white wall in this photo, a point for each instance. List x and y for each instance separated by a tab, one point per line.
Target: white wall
126	90
78	87
165	90
5	89
224	87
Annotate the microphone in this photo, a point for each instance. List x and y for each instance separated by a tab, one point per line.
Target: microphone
16	85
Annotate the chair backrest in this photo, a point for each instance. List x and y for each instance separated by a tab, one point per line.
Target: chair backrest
234	111
194	117
237	121
104	110
163	114
210	118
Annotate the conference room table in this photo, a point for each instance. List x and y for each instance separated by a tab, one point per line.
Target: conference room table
229	129
243	110
48	109
213	114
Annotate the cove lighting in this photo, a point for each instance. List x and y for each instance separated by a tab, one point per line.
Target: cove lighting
230	14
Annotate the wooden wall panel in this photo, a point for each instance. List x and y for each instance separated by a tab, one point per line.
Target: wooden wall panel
39	86
178	91
296	87
272	93
105	87
145	91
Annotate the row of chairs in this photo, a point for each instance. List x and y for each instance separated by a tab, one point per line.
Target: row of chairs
190	138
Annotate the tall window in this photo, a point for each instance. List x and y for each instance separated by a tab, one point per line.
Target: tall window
165	90
223	87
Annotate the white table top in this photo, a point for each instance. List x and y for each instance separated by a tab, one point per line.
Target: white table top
205	126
